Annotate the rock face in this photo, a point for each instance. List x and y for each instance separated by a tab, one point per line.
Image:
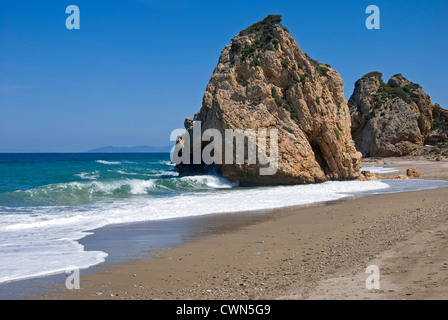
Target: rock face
264	81
368	176
412	173
391	119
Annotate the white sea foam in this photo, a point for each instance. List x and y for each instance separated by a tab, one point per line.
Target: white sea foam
136	186
374	169
44	242
128	173
211	181
141	186
108	162
161	173
168	163
88	175
169	173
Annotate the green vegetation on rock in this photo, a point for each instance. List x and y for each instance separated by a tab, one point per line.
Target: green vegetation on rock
375	74
282	103
259	26
322	70
337	133
435	124
397	92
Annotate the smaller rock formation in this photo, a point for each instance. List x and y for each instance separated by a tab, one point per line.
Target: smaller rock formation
412	173
393	118
368	176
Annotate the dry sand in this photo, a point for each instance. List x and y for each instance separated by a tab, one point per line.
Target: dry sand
317	252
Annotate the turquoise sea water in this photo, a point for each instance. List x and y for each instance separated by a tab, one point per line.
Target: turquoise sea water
50	201
75	179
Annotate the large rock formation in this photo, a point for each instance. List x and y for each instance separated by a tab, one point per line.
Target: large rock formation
264	81
391	119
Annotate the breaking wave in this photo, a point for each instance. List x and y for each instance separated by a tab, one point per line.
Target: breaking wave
108	162
73	193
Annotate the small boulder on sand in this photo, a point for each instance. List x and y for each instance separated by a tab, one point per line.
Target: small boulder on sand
368	176
412	173
401	177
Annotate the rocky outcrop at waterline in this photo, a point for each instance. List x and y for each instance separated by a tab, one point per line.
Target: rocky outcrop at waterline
263	81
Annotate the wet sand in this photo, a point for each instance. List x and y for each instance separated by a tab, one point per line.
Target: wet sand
317	252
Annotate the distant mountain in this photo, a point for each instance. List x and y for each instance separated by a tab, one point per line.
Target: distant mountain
138	149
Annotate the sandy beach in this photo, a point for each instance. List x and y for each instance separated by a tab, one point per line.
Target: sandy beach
315	252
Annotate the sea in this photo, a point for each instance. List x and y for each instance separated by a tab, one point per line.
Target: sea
49	202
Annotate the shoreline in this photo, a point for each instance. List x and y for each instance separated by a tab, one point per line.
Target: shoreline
289	257
150	278
126	242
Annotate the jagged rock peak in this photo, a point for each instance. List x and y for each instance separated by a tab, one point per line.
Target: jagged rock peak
264	81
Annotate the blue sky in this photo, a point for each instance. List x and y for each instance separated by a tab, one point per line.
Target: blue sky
136	69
